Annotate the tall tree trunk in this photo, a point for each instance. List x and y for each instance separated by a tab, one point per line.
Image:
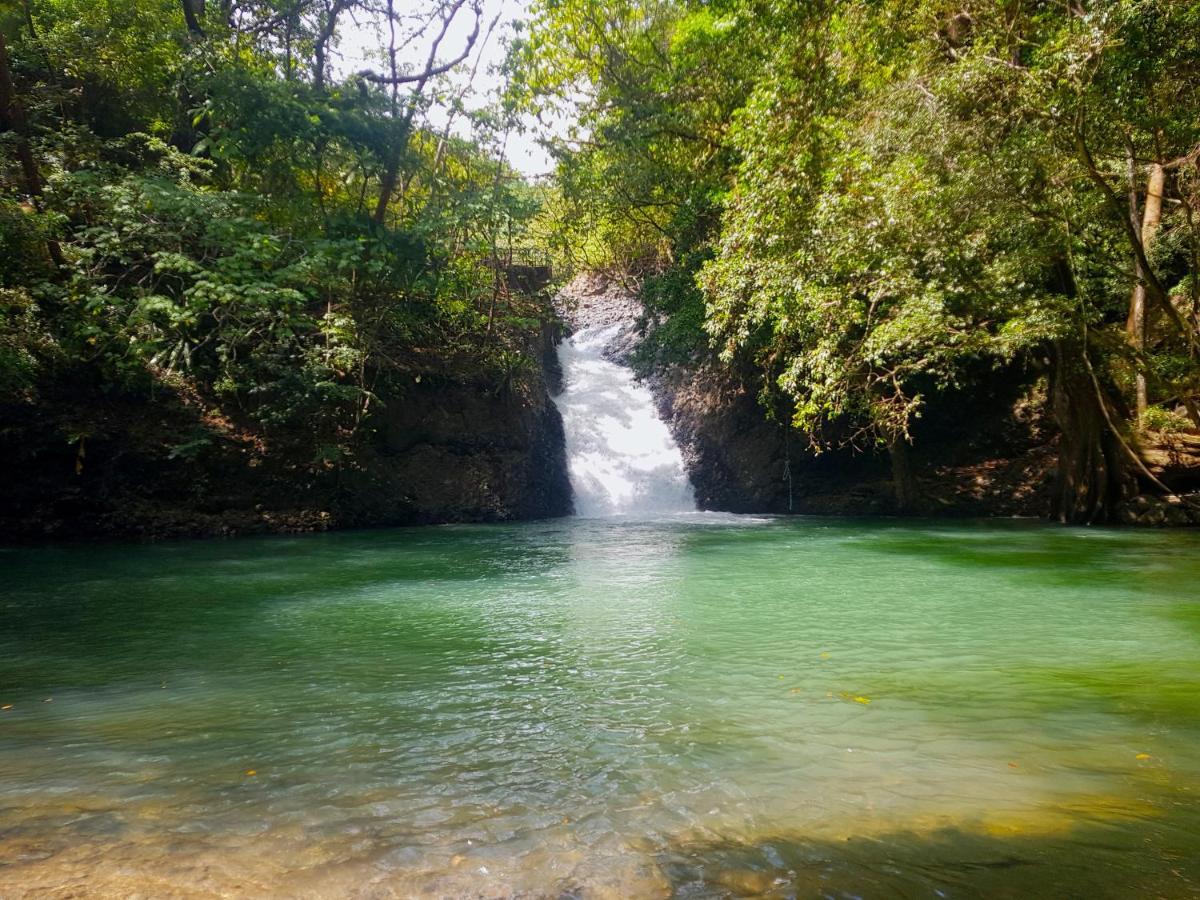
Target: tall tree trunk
12	118
1136	324
1156	293
391	176
193	11
287	47
327	27
1094	473
904	482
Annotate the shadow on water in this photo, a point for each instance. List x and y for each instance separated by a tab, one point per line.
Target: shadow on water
1142	858
113	610
1097	556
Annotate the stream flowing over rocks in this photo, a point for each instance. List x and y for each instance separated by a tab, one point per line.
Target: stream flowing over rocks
736	459
996	460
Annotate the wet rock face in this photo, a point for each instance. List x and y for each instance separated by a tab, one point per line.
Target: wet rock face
462	453
740	461
453	448
594	299
737	461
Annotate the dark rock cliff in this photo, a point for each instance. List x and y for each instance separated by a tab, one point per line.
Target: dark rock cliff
461	452
82	462
740	461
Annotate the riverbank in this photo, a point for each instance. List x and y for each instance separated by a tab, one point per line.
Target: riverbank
447	442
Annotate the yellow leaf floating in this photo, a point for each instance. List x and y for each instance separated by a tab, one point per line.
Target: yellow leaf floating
846	695
6	706
825	656
1142	756
252	771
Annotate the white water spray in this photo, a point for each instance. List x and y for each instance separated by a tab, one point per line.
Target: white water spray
621	456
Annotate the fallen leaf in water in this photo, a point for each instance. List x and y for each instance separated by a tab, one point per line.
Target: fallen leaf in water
825	656
6	706
862	700
1142	756
456	859
1012	765
796	690
252	771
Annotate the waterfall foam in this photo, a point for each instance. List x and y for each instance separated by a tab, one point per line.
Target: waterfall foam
621	457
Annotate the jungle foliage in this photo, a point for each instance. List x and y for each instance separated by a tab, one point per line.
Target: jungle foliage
192	198
870	203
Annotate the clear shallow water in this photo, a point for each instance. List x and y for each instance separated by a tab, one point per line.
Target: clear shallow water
591	708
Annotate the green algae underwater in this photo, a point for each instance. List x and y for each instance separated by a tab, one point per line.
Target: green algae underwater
700	706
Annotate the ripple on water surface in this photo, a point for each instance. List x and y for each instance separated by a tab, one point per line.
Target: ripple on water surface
701	706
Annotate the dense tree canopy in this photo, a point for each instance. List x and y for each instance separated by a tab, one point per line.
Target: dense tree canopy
193	195
865	206
871	203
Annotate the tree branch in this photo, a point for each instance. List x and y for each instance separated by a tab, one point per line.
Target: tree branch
430	69
1154	287
193	21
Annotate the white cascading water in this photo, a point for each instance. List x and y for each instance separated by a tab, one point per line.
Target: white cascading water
621	456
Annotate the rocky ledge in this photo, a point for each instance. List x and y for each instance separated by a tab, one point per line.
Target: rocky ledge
1154	511
447	446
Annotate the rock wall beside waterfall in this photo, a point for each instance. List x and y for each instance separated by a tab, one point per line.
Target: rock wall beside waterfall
461	452
741	462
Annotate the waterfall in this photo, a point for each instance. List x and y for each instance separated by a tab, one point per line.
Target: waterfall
621	456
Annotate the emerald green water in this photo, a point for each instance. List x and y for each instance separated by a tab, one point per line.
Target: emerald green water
704	706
